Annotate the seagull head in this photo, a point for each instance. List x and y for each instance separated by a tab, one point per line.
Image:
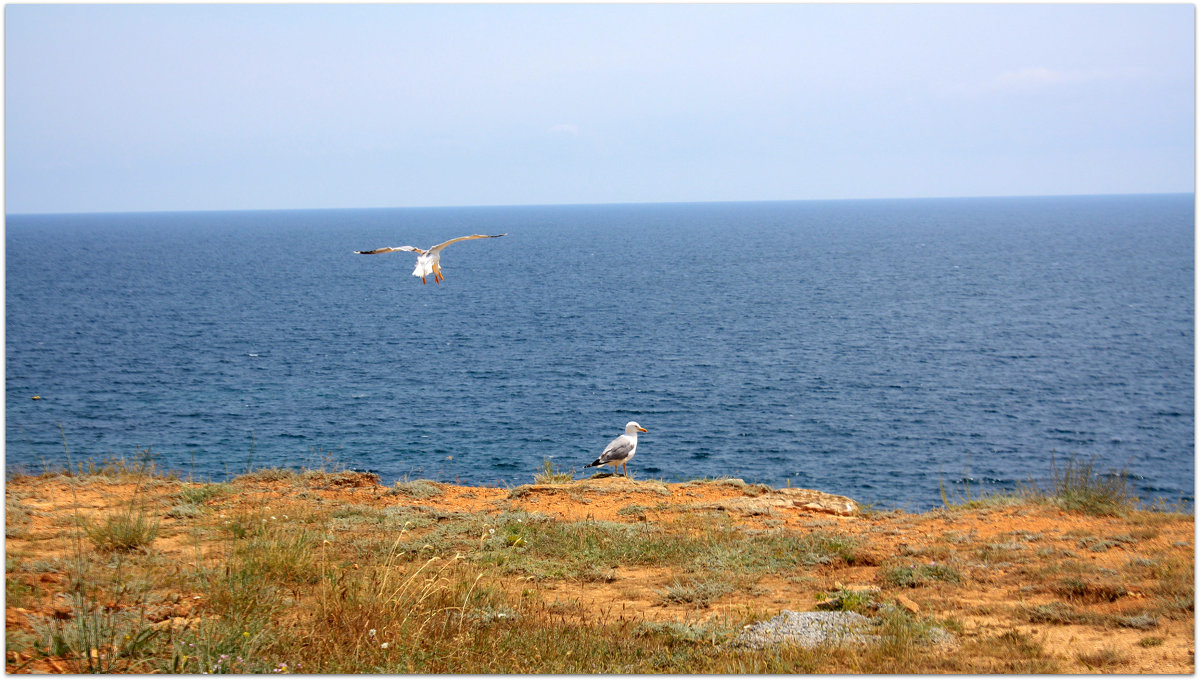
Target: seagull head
632	428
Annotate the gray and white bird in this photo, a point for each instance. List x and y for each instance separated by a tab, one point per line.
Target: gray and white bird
620	451
429	262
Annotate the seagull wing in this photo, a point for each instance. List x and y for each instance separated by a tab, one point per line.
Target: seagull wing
618	449
392	249
444	244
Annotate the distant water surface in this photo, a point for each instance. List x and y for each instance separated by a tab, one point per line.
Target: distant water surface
868	348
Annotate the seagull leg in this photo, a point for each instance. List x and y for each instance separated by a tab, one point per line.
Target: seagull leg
422	280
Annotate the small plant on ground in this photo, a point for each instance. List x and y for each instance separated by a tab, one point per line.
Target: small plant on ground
977	499
184	511
1077	486
683	631
845	600
1103	659
417	489
126	530
199	494
700	594
636	510
1055	613
1088	590
552	476
96	640
1138	621
911	576
268	475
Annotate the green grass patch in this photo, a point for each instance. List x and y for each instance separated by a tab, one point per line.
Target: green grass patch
1077	486
184	510
550	475
1103	659
699	594
199	494
845	600
634	510
129	529
1088	589
416	489
911	576
1055	613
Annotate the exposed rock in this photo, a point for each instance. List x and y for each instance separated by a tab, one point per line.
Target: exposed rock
820	502
807	499
907	603
813	629
750	489
601	482
341	480
172	623
746	505
806	629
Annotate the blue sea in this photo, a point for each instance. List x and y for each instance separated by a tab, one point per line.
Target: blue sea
875	349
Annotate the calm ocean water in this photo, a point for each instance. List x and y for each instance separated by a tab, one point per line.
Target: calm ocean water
865	348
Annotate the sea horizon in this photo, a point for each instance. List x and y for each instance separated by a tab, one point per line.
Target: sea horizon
600	204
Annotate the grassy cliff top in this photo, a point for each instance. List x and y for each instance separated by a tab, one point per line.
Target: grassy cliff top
277	571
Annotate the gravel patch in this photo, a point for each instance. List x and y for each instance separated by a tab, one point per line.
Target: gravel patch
807	629
814	629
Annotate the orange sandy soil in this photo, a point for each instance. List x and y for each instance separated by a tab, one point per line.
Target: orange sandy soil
988	601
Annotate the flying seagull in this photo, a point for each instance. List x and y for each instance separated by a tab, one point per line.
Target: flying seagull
428	261
620	451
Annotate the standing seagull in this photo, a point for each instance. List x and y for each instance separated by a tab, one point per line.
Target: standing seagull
428	261
620	451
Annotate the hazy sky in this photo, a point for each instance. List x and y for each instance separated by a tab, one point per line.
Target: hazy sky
174	107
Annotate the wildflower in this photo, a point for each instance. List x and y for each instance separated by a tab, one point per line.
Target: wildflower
491	530
272	517
247	635
383	645
371	633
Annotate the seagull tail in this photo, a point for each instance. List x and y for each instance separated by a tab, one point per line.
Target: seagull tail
594	463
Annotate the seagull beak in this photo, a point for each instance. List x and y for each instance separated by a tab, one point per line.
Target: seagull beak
643	430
